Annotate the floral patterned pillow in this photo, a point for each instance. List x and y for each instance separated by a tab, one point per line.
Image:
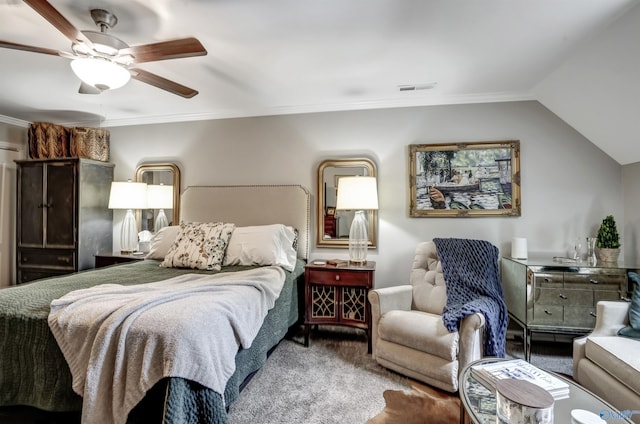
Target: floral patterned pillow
199	246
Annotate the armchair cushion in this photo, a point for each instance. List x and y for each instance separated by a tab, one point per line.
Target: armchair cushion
618	356
418	330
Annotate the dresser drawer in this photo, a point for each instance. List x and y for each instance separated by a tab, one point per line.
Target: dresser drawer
579	317
546	314
548	279
342	277
58	259
595	281
26	275
557	296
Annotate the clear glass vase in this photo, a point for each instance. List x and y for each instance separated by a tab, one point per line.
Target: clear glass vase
591	250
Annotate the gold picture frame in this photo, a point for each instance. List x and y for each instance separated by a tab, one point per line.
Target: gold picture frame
467	179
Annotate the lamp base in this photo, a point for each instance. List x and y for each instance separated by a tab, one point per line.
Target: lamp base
358	239
357	262
129	234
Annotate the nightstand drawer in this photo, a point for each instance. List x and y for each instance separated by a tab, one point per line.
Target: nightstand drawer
342	277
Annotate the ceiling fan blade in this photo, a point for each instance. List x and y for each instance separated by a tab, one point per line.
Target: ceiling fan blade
26	48
163	50
163	83
88	89
57	20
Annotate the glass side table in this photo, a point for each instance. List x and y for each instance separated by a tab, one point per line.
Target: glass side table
478	403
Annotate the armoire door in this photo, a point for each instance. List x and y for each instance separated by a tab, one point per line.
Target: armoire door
59	208
31	211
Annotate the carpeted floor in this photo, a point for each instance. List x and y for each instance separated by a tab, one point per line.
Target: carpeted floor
550	356
333	380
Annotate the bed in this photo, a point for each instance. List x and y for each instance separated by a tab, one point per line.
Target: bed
34	372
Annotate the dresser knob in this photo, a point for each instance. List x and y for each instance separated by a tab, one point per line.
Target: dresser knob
593	314
562	296
547	312
337	277
592	281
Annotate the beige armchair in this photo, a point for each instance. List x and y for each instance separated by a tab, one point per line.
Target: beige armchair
408	334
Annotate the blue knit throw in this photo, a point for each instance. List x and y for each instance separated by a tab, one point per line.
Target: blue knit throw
472	280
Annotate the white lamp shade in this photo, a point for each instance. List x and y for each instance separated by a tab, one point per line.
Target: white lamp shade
159	197
100	73
357	193
128	195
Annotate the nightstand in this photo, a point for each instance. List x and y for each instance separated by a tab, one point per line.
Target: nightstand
107	259
337	295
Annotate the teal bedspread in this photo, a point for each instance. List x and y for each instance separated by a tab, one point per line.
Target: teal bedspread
33	371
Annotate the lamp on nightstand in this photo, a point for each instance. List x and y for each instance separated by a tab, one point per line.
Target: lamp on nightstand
128	196
160	197
358	194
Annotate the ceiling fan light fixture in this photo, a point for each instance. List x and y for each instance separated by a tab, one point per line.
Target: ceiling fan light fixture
100	73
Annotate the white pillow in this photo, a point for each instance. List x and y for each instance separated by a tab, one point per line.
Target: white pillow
199	246
162	241
262	245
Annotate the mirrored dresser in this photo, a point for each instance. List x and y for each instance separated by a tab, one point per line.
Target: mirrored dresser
547	296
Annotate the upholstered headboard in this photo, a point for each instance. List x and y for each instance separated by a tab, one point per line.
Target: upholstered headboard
246	205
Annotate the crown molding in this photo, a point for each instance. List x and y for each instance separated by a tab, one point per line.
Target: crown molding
13	121
411	100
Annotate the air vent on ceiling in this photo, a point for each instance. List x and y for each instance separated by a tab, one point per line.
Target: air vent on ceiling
417	87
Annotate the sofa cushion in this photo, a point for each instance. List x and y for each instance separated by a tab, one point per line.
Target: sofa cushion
419	330
618	356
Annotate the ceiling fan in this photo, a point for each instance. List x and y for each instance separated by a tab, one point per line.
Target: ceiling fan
102	61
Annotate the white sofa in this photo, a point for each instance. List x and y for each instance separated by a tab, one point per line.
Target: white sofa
607	364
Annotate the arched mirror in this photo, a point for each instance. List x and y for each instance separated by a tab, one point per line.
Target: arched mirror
332	226
163	185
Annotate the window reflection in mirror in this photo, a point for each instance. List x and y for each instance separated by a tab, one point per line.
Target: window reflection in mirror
332	226
159	174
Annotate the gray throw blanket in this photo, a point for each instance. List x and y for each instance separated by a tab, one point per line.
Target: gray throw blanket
472	278
121	340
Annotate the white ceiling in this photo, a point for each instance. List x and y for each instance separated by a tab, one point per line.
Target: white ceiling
291	56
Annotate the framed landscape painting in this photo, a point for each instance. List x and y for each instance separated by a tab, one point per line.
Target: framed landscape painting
470	179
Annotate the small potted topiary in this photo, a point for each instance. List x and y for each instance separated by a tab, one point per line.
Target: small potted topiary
608	240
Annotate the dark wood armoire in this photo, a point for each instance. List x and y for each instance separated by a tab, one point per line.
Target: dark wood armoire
63	218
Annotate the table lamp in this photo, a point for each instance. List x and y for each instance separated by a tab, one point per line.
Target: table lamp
358	194
128	195
160	197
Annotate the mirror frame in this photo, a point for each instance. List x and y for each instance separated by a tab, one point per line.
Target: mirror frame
372	215
172	167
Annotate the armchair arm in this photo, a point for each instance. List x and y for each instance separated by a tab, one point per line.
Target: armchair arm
391	298
384	300
611	316
470	342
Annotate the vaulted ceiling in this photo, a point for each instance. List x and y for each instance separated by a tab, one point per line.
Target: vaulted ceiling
578	58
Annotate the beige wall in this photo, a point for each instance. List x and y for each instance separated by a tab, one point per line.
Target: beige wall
568	184
631	177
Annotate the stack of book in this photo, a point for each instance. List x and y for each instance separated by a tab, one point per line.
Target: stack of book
489	373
